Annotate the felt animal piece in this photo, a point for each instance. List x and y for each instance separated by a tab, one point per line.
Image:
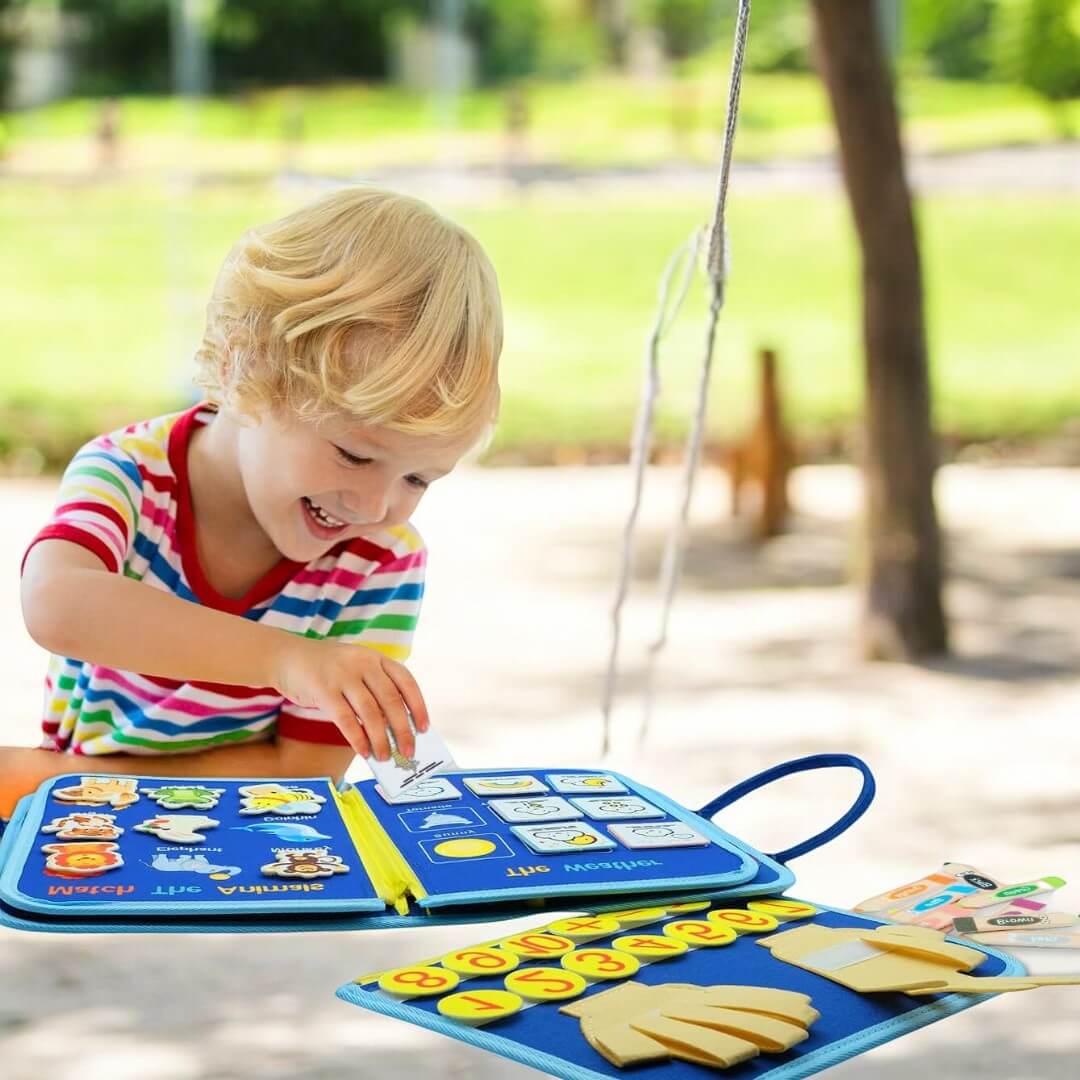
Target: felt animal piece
305	863
278	799
715	1026
193	864
81	859
100	791
178	828
185	796
912	959
84	826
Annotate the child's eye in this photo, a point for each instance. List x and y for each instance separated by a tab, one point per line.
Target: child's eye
351	459
416	482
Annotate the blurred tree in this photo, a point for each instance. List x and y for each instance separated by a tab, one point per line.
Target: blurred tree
1037	43
508	35
954	38
282	41
8	16
125	47
686	26
781	36
904	616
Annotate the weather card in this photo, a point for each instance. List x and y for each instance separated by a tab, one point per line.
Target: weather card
400	773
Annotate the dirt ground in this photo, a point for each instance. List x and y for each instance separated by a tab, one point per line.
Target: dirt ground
976	758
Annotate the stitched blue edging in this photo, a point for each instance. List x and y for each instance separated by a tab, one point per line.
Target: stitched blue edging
826	1057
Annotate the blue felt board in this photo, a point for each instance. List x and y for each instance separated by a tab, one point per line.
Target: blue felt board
25	904
850	1023
511	870
238	846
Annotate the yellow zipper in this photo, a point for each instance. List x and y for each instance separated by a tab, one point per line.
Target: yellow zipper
391	875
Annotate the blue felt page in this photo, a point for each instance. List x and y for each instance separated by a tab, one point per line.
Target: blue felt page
513	871
192	917
219	875
851	1023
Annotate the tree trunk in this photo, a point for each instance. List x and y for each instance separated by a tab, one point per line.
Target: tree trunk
903	613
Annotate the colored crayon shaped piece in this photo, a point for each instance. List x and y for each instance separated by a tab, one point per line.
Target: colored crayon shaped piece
1049	920
1030	939
925	887
944	916
1011	892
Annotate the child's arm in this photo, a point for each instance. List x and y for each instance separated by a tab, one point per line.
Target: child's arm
23	768
73	606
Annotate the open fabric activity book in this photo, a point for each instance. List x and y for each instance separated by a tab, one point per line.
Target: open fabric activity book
135	853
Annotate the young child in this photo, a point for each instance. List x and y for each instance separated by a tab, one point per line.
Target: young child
230	591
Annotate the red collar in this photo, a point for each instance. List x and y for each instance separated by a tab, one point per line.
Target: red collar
270	584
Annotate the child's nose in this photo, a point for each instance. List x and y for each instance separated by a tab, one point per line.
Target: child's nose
369	505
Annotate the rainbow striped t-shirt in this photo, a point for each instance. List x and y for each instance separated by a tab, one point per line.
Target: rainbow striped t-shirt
125	497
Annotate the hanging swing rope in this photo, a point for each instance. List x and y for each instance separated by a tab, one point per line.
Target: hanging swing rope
716	271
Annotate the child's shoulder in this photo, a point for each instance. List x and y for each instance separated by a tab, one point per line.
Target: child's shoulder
141	441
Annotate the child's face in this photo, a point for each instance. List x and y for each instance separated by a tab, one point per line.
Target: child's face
312	486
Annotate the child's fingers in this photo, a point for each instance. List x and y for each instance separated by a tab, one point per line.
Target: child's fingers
410	691
393	708
349	723
367	708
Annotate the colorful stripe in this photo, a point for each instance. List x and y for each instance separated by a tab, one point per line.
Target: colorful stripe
120	499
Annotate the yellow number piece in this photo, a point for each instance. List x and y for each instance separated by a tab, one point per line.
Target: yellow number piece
690	905
545	984
537	946
701	933
743	922
480	961
584	926
783	909
601	963
649	946
418	981
637	916
475	1007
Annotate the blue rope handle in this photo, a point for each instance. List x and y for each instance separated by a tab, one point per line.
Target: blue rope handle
805	764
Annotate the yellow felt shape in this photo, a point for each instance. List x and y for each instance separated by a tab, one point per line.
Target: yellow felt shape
765	1032
691	1042
868	963
784	1005
994	984
620	1043
924	942
621	1000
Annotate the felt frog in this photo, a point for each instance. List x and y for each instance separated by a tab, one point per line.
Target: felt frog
185	796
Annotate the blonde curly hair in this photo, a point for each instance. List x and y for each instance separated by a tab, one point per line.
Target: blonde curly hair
365	303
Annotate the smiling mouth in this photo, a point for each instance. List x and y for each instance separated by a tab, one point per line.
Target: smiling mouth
321	517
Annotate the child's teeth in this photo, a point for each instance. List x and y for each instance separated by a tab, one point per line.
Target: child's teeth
323	517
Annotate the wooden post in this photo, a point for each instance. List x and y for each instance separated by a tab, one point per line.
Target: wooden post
903	615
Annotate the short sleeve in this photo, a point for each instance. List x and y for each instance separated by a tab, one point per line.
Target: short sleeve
98	504
381	613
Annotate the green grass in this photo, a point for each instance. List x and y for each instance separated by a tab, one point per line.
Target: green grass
596	120
103	290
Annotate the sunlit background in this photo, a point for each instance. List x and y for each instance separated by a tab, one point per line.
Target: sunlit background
580	139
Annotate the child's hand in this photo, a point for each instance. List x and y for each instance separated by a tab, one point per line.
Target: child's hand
362	690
